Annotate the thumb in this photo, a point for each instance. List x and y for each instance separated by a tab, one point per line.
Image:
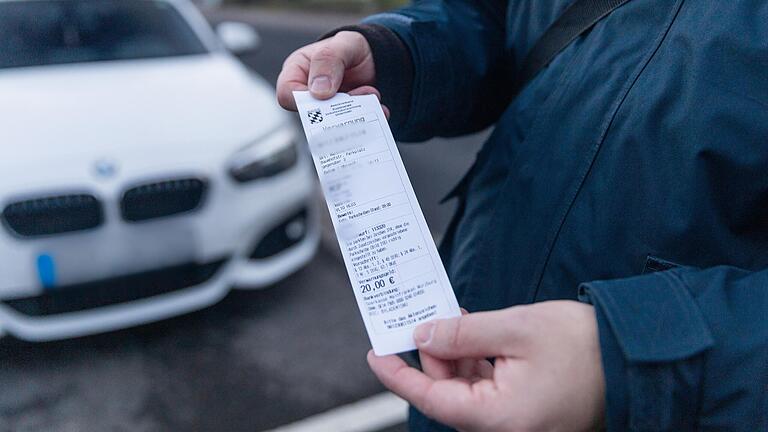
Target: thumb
477	335
326	68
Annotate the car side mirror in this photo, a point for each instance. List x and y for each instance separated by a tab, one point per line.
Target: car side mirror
239	38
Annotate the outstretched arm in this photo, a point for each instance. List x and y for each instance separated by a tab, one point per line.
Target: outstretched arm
441	66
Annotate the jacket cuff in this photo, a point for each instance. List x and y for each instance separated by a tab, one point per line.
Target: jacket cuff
615	371
651	335
394	68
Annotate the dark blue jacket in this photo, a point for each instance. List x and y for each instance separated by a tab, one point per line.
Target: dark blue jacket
642	147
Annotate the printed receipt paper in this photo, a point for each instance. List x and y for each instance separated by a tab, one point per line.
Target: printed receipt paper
392	262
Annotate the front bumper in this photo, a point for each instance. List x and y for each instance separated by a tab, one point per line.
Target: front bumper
50	317
235	222
112	317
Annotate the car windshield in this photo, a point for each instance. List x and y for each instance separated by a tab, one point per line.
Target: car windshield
43	32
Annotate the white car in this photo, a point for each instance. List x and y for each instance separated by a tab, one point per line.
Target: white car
144	171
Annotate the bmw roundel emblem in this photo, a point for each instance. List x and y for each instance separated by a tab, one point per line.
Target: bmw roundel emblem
105	168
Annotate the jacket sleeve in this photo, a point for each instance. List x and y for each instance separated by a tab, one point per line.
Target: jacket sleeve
460	69
684	349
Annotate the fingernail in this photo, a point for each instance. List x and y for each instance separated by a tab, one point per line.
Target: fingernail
321	84
423	333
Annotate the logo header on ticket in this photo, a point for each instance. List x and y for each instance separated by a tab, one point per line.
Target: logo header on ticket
315	115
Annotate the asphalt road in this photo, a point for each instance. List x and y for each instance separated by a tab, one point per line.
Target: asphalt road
252	362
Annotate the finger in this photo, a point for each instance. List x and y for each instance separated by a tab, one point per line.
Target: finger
435	368
365	90
285	96
328	64
293	77
485	369
466	368
448	401
477	335
473	369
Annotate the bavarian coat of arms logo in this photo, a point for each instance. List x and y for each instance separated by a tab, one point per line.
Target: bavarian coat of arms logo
315	116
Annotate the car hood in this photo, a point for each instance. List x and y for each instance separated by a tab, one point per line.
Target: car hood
208	105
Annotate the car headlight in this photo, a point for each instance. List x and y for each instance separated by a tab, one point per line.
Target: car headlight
266	157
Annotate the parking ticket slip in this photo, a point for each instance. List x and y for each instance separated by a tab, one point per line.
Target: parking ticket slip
398	278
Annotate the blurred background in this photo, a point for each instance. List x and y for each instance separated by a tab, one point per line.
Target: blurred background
166	260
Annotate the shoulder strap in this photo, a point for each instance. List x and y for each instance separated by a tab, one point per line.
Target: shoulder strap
576	20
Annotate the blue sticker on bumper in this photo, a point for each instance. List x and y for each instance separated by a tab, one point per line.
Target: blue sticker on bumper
46	271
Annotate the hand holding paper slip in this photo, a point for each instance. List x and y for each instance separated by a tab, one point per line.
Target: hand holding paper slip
396	273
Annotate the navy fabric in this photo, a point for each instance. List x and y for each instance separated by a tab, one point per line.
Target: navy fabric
646	137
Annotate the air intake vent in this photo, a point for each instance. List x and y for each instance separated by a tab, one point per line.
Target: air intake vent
53	215
117	290
162	199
